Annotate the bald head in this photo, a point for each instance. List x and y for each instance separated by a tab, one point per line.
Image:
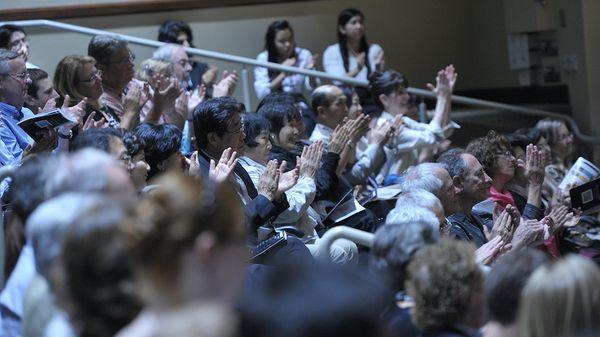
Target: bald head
329	104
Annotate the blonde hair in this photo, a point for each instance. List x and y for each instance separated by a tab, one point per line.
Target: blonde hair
65	76
562	300
152	67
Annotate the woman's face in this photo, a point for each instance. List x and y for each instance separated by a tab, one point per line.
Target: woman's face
542	144
354	29
505	165
89	82
564	142
260	152
355	108
288	135
284	42
397	102
183	39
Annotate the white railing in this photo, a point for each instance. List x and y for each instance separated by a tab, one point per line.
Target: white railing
246	61
342	232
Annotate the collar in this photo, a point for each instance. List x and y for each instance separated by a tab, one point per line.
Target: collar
250	162
323	129
10	111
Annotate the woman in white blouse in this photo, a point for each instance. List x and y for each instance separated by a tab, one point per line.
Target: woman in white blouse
352	56
281	48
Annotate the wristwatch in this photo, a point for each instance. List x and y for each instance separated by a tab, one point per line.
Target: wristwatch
67	136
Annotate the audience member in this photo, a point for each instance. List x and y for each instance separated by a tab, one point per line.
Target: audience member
307	123
280	47
352	56
14	38
115	61
161	150
394	246
503	287
179	32
40	91
14	81
186	240
95	285
561	299
447	288
560	141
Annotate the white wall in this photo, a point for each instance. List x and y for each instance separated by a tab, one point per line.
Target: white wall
418	36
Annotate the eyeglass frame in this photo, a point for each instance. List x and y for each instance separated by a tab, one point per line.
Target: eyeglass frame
97	75
130	59
19	76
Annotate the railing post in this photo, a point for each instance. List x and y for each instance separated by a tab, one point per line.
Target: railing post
423	111
246	87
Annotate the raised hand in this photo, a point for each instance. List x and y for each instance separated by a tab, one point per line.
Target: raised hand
136	98
90	123
445	81
269	181
312	61
358	127
210	75
502	226
77	111
48	140
287	180
534	165
310	160
487	253
227	85
50	104
219	172
530	232
339	139
194	165
378	60
289	62
195	98
382	134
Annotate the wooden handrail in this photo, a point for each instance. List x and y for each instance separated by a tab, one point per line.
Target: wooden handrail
121	8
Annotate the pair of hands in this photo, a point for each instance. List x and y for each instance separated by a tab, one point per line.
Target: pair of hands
349	132
445	82
381	135
310	160
361	59
533	165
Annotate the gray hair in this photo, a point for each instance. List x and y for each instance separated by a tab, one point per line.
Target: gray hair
165	51
413	206
394	246
47	225
423	177
453	162
102	47
5	57
82	171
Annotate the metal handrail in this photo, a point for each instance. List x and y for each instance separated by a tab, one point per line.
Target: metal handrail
245	61
342	232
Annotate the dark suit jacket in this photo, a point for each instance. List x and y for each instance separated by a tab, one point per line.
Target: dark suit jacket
468	228
260	210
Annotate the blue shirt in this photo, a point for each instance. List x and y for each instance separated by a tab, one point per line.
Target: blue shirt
14	138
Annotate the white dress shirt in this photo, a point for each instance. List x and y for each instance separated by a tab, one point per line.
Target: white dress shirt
293	83
334	64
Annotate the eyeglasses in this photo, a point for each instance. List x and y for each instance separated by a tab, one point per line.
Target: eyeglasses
20	76
96	76
507	154
129	59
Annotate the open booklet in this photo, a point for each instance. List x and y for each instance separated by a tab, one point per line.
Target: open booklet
581	172
53	118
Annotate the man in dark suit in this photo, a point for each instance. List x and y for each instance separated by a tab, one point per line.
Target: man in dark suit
218	127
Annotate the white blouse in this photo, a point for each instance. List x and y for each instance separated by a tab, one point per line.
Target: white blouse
292	83
334	64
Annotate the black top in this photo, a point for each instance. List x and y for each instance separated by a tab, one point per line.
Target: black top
468	228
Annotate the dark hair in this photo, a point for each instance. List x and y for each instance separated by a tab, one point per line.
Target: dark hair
253	126
35	75
6	32
133	143
486	148
319	98
348	92
161	141
170	30
102	47
453	162
343	18
96	284
278	113
320	300
385	83
524	137
277	97
214	115
274	28
505	282
95	138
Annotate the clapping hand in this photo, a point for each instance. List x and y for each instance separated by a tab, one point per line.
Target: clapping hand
269	181
339	139
310	160
219	172
227	85
287	180
445	81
